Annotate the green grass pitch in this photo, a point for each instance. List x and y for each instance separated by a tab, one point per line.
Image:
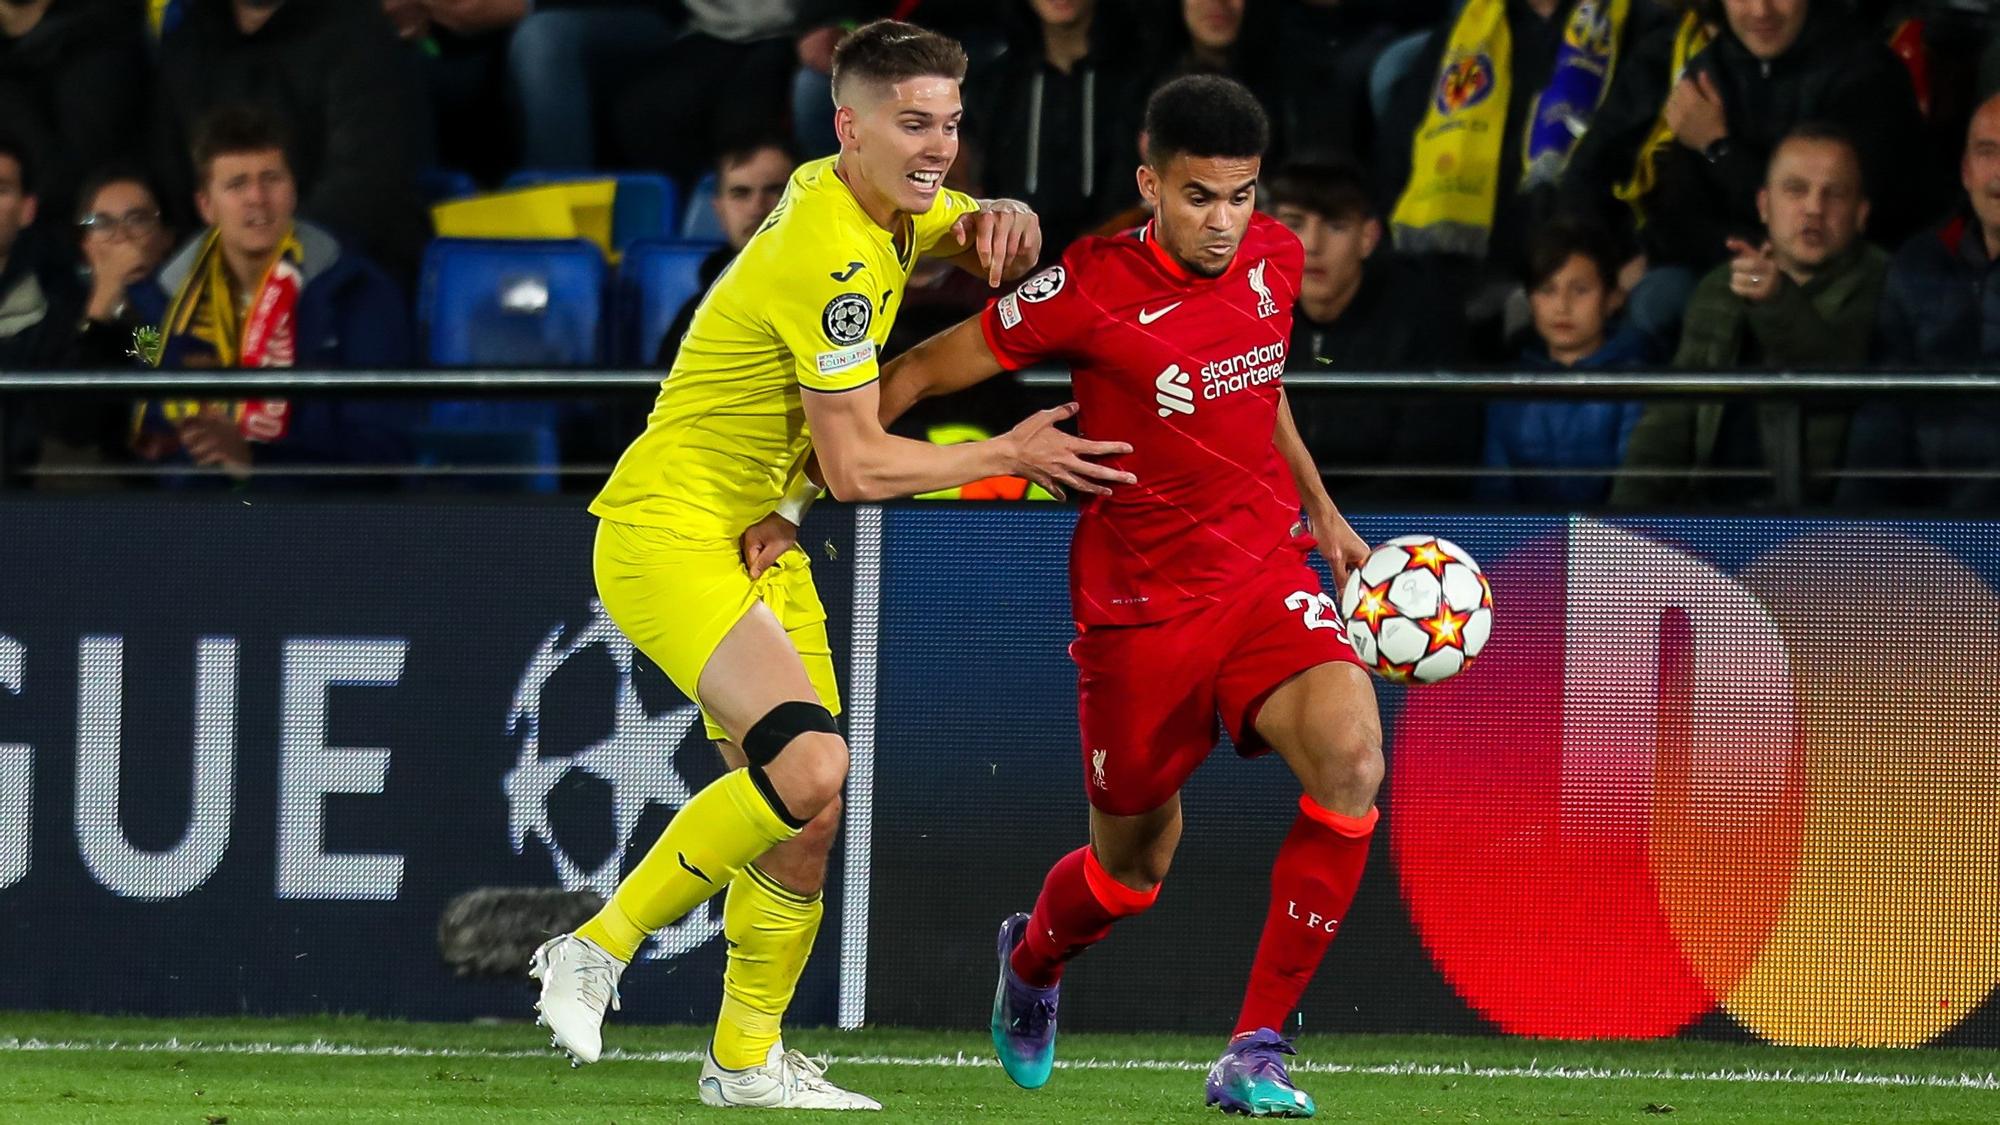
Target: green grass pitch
67	1068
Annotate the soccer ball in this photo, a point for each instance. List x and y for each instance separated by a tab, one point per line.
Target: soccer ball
1418	610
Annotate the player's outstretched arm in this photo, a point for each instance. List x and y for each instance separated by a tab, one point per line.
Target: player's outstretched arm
954	359
1001	241
1338	543
862	461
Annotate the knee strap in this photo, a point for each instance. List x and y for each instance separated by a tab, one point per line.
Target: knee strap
770	735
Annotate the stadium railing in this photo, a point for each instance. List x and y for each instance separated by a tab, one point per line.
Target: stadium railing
1790	392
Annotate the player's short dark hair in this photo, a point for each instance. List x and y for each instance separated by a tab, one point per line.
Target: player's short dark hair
1823	132
1204	115
1555	242
741	151
17	149
1335	190
886	52
234	129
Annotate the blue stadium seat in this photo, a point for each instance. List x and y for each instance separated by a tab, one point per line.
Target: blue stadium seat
506	303
439	184
657	277
698	221
512	303
645	204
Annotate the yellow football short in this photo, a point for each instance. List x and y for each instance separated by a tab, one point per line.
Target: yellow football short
676	598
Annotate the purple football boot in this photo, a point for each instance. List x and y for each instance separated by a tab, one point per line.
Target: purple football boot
1250	1078
1024	1017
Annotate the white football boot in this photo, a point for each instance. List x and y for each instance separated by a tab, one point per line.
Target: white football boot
787	1080
578	981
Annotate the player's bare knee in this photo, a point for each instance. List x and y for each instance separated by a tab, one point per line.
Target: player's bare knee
1346	763
1144	875
1140	869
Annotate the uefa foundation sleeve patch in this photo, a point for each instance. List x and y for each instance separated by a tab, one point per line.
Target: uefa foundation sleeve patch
830	362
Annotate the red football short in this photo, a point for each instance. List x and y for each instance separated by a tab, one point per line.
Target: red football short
1148	696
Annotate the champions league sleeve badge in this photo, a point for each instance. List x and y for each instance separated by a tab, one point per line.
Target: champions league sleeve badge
846	318
1043	285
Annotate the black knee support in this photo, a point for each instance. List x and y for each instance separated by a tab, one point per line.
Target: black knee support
769	736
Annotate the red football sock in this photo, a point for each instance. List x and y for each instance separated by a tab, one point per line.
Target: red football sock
1312	885
1079	902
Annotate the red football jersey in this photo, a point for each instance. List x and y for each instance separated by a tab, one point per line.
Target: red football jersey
1186	370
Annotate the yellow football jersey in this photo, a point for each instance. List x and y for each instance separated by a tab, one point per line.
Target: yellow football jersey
807	303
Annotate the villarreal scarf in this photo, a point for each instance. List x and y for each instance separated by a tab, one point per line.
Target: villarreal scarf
204	311
1690	41
163	16
1455	162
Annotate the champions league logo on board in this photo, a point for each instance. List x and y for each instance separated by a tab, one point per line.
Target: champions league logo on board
576	680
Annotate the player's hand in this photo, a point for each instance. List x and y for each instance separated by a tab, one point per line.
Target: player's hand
212	439
1338	544
1008	235
766	540
1053	458
1753	273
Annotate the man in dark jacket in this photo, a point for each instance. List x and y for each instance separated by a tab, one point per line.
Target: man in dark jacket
72	78
1804	298
348	92
38	305
1941	309
1775	64
260	289
34	311
1055	118
1363	307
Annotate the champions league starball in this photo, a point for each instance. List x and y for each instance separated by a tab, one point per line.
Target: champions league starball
1418	611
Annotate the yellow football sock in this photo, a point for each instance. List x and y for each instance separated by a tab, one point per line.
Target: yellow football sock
770	930
713	837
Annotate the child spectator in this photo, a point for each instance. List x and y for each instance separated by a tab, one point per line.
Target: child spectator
1572	280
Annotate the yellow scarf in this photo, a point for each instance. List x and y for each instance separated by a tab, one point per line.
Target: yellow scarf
205	309
1454	183
162	15
1690	41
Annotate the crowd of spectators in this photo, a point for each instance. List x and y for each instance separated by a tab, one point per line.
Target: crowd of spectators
1531	184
